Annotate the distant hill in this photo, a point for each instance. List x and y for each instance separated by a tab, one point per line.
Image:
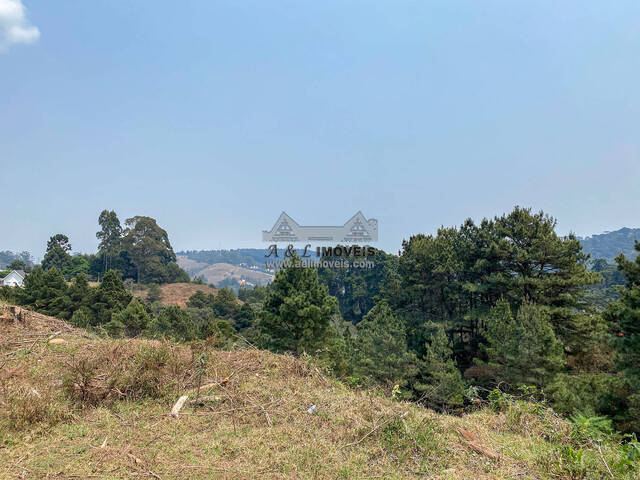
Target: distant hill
609	244
244	257
227	267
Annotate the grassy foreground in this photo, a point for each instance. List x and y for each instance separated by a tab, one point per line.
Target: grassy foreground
76	406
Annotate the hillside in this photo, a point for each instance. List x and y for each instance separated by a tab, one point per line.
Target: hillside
177	293
224	273
219	272
249	257
609	244
77	406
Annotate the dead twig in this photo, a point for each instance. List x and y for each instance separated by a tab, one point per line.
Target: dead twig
604	461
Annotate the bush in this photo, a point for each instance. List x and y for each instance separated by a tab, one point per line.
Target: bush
25	406
82	317
131	321
118	371
587	428
8	294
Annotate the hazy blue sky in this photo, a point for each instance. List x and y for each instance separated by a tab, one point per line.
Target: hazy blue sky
213	116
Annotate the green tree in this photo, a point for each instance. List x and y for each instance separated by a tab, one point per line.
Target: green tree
625	318
523	350
17	264
131	321
225	303
110	236
298	309
174	323
440	383
201	300
79	264
380	349
46	292
255	295
455	277
109	297
357	289
57	254
154	294
244	317
151	252
79	291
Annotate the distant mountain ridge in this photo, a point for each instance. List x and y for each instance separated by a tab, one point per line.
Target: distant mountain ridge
250	257
234	268
609	244
605	245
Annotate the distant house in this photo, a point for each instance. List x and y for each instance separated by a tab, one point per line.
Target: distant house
14	279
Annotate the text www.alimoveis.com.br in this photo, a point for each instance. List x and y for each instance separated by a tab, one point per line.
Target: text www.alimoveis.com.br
278	264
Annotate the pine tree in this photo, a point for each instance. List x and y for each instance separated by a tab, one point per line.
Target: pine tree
110	296
46	292
57	254
154	294
175	323
225	303
380	349
441	383
131	321
523	350
297	311
625	317
79	291
457	276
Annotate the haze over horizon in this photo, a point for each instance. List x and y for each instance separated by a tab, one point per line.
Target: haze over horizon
213	117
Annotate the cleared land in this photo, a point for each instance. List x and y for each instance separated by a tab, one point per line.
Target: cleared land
178	293
73	405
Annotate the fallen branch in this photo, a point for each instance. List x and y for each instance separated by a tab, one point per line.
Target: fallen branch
466	434
482	450
175	411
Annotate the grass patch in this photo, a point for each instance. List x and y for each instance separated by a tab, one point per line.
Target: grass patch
102	410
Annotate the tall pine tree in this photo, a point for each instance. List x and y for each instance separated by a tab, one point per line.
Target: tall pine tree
380	349
625	316
297	312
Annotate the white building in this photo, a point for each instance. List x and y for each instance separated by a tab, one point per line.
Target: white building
14	279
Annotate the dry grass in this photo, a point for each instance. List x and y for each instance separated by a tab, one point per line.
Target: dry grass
178	293
102	411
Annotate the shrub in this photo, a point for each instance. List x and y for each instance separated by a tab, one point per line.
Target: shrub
118	371
25	406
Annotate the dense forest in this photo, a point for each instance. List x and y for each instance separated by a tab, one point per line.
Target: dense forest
504	307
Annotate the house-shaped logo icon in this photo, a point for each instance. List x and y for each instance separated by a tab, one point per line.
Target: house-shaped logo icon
356	229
